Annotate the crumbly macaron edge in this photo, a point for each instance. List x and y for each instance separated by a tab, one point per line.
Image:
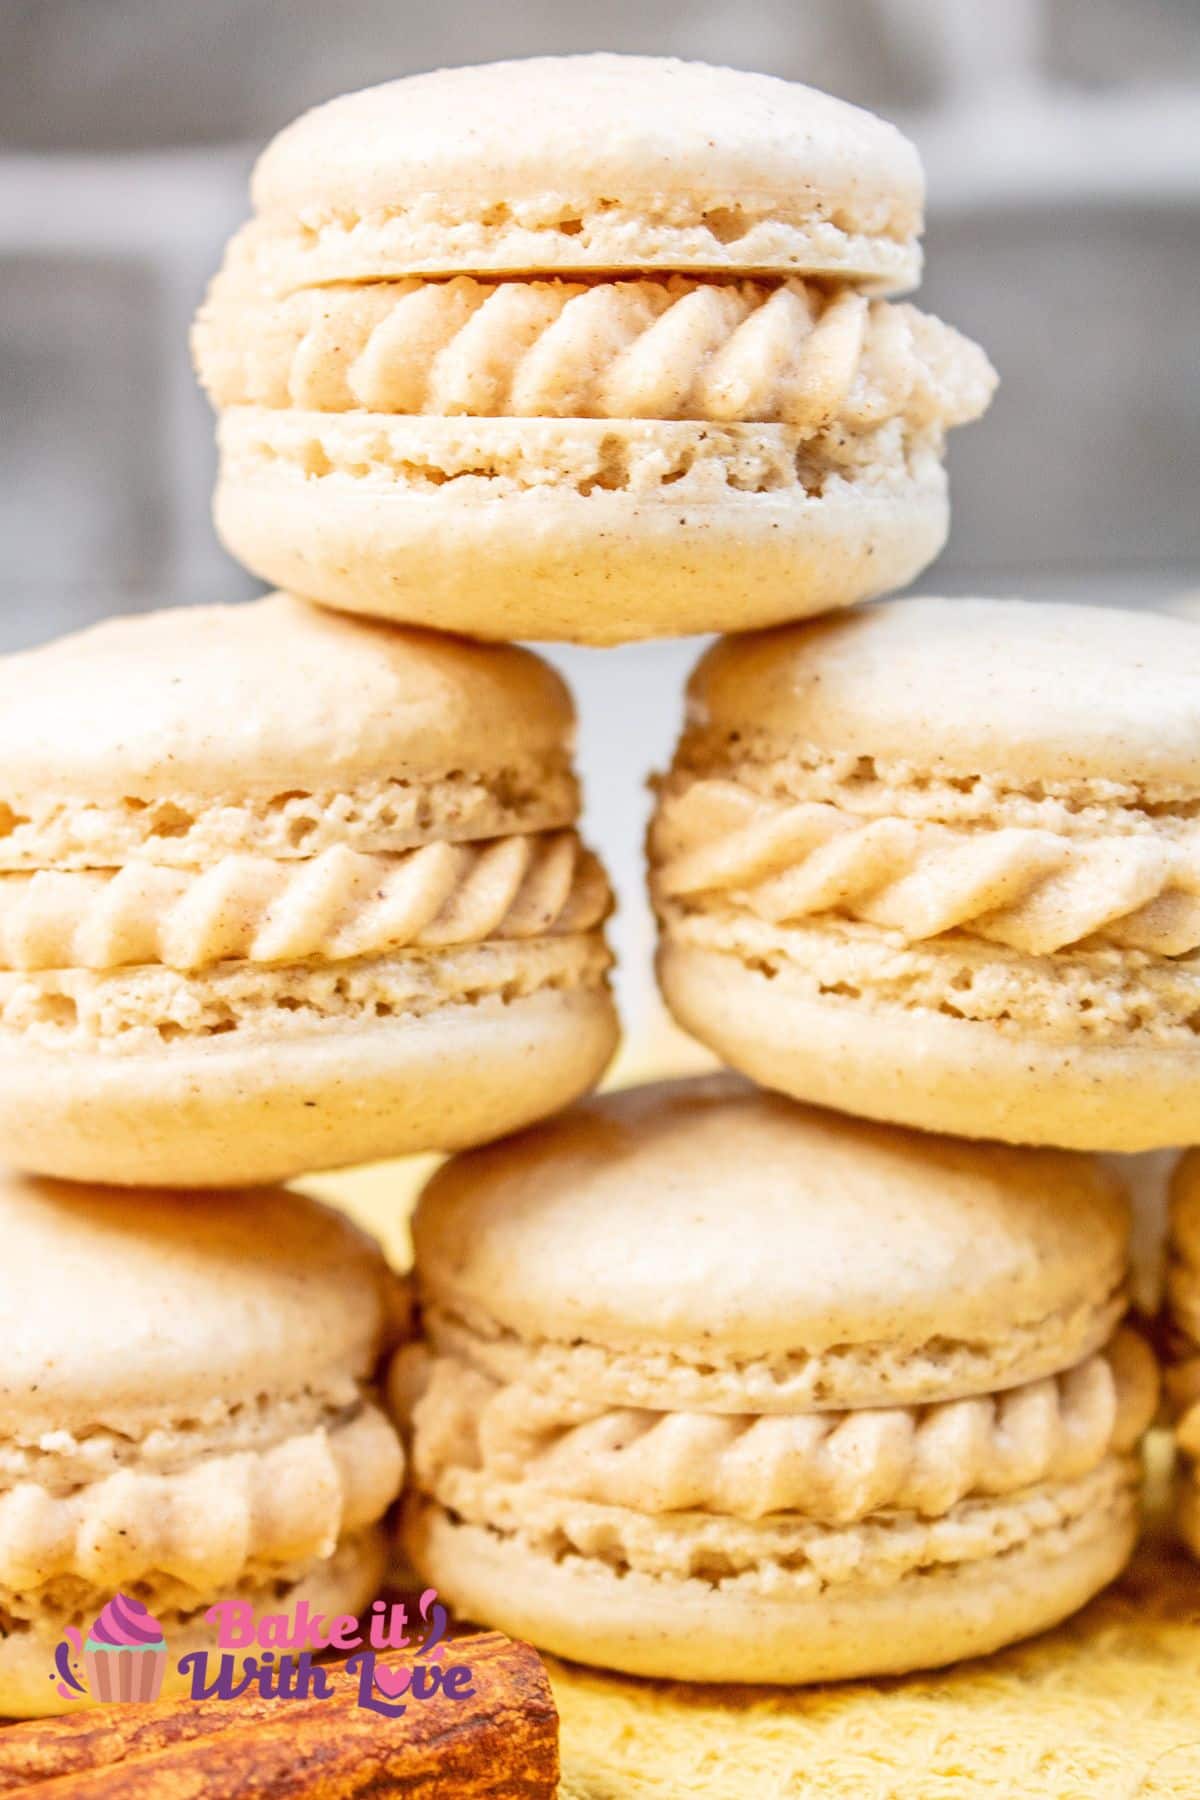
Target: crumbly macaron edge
557	233
41	1612
142	1010
683	1376
833	1468
389	814
1104	998
794	1558
463	460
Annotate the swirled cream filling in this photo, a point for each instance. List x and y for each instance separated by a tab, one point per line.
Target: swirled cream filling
719	842
338	904
832	1468
671	348
209	1523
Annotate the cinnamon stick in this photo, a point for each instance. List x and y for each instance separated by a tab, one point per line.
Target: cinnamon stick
501	1744
42	1749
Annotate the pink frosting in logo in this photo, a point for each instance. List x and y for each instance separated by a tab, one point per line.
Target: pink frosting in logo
125	1624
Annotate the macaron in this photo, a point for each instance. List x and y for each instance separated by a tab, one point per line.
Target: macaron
189	1416
938	863
482	370
282	890
1182	1379
722	1388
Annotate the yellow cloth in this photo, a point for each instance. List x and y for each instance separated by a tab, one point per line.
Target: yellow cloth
1105	1708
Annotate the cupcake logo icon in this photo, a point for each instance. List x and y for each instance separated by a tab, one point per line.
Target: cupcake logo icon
123	1656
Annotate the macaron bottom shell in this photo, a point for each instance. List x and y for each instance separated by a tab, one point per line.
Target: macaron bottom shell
556	561
782	1632
219	1113
967	1077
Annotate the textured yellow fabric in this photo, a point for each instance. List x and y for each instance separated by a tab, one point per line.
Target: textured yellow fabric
1103	1706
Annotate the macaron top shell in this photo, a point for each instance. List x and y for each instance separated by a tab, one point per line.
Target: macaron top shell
598	161
710	1218
1023	691
275	695
127	1309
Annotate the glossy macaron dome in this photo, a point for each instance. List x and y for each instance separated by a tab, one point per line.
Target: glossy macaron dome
189	1412
280	890
718	1387
937	863
478	371
682	164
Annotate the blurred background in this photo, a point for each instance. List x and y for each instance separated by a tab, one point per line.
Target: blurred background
1062	142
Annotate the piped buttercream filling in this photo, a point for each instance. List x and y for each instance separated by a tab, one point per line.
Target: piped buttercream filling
210	1523
834	1468
674	347
719	842
336	905
138	1010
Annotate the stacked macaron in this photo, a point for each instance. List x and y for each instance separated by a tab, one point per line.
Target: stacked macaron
709	1383
719	1387
479	369
281	890
190	1415
937	862
586	347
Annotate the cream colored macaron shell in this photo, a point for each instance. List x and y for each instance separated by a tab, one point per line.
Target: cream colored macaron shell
280	890
624	378
937	863
717	1387
188	1413
682	165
